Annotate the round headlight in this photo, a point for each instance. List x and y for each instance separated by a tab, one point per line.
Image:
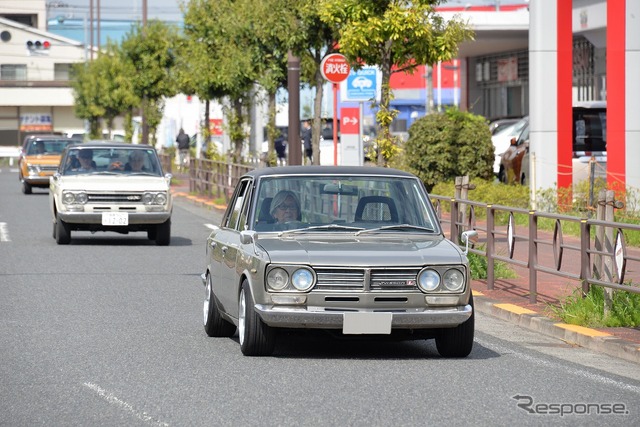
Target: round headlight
161	199
302	279
68	198
277	279
429	280
82	198
147	198
453	280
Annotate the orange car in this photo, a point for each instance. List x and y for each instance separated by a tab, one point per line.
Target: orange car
39	159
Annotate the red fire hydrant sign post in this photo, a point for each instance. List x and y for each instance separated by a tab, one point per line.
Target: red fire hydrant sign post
335	69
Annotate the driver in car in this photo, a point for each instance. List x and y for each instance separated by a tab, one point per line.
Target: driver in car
285	207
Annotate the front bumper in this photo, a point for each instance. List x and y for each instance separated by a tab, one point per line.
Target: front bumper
96	217
36	180
322	318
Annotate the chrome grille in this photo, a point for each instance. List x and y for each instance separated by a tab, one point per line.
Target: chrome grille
358	279
394	279
48	168
340	279
114	198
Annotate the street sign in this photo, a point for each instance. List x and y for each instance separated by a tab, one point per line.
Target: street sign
350	121
361	84
351	150
335	68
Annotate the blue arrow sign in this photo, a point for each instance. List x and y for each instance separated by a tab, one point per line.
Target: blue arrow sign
361	84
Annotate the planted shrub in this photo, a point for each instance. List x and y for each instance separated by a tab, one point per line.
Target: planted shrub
444	145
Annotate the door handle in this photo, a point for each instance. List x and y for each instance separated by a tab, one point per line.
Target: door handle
224	250
212	244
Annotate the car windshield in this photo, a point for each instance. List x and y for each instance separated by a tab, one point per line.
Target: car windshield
48	146
348	204
514	129
111	160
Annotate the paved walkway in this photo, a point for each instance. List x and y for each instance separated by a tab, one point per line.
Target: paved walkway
509	300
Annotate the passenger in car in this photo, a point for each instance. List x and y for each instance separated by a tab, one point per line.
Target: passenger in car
136	162
285	207
86	161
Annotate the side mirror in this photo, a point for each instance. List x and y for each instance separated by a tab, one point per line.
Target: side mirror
513	141
248	237
469	236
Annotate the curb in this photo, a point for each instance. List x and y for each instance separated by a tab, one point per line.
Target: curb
592	339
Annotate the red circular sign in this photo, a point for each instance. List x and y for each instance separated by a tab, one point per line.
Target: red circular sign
335	67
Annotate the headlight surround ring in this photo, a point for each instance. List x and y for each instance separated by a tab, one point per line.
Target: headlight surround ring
302	279
453	280
428	280
277	279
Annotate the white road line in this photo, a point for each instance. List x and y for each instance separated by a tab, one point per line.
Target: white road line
112	399
211	226
548	364
4	232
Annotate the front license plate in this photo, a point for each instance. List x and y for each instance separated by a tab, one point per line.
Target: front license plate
367	323
115	218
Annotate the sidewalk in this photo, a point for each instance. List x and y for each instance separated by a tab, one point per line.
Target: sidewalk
509	300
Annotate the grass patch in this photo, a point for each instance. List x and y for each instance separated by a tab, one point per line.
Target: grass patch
588	311
478	266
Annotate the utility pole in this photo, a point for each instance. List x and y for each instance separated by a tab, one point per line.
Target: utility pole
293	75
98	25
145	126
91	29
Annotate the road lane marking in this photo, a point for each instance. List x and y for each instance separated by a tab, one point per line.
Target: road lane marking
504	351
114	400
4	232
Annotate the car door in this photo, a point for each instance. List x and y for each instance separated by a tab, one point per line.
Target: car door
225	249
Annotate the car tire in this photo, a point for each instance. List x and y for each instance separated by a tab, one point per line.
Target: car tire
214	324
256	337
502	176
152	233
26	187
458	341
62	232
163	233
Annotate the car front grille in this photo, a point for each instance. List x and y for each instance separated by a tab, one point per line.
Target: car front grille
358	279
98	198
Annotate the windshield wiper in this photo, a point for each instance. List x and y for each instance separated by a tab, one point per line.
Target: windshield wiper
143	173
332	227
399	227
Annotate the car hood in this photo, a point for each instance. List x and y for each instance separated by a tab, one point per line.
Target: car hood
43	159
112	183
363	250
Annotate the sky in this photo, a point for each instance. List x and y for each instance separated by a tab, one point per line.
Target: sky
169	10
165	10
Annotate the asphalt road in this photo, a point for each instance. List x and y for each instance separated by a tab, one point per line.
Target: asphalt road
108	331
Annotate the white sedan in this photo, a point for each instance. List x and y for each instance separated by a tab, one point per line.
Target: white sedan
110	186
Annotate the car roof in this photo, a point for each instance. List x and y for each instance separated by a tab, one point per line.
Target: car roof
328	170
102	144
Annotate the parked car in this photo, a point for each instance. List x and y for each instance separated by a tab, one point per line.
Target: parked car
497	125
502	140
511	159
111	186
351	250
39	159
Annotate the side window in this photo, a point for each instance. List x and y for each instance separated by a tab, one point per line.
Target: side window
233	217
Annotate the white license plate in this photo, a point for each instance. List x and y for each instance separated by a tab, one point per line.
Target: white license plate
366	323
115	218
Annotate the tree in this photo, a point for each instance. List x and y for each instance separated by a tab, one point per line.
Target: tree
149	51
397	36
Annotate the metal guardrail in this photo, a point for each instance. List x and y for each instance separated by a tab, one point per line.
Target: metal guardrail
598	256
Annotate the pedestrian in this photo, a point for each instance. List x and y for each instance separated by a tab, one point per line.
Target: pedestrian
281	148
306	140
183	141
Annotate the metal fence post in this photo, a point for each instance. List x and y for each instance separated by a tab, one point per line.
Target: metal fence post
533	257
585	259
490	247
454	222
